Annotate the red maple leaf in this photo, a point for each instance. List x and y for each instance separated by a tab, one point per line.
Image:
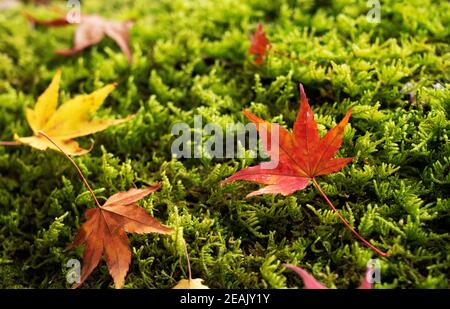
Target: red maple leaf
310	282
259	44
302	156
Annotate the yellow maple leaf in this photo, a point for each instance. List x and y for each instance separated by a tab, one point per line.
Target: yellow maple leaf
191	284
72	119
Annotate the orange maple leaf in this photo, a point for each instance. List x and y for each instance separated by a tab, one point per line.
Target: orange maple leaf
104	232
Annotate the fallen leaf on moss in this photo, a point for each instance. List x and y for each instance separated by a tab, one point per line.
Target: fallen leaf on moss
302	156
72	119
190	284
90	31
259	44
104	233
310	282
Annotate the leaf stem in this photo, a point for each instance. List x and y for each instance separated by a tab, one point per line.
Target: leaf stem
9	143
316	185
188	261
75	165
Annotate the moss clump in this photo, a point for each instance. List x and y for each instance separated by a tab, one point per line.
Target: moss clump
191	58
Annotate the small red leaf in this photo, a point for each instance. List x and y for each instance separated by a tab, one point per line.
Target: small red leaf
365	283
259	44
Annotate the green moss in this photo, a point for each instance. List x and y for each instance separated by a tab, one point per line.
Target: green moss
191	58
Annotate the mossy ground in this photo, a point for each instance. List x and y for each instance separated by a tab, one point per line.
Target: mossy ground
190	57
